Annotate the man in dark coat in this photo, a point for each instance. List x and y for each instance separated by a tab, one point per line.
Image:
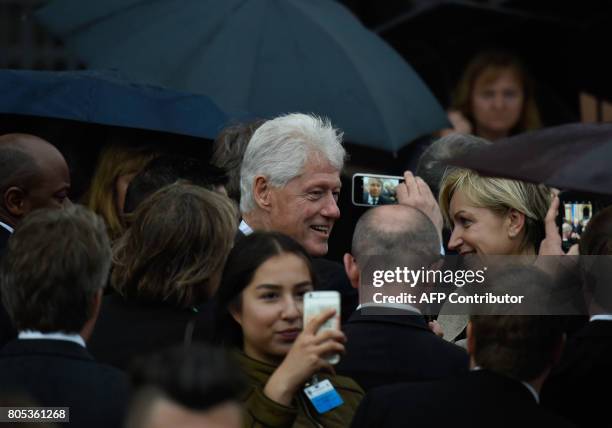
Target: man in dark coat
510	356
575	387
52	277
33	174
390	343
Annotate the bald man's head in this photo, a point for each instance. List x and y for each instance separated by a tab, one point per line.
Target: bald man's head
33	175
393	231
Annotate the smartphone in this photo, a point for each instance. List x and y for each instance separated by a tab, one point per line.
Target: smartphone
316	302
372	189
575	211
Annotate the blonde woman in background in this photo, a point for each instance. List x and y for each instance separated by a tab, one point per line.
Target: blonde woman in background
117	165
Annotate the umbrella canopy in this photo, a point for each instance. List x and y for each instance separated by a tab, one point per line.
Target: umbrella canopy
107	99
575	156
263	56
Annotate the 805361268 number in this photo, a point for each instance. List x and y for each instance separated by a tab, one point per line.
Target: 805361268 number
34	414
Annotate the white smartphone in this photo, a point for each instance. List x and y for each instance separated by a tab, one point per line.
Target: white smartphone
372	189
316	302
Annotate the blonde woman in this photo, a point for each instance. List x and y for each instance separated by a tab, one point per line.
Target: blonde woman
490	216
117	166
493	216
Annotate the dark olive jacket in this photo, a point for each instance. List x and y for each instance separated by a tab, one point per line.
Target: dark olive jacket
260	411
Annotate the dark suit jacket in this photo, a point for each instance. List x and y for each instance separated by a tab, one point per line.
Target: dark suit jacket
391	348
7	332
331	276
475	399
577	388
382	199
127	329
63	374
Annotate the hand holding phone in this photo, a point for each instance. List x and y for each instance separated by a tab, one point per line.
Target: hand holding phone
316	302
306	356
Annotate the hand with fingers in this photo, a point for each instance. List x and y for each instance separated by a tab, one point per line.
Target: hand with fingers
551	245
461	125
305	358
416	193
436	328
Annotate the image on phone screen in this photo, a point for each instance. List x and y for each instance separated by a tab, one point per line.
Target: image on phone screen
576	215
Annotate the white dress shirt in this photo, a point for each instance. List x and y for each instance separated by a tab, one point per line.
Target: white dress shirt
7	227
32	335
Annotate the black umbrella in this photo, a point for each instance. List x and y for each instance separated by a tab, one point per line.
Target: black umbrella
82	111
575	156
106	98
266	57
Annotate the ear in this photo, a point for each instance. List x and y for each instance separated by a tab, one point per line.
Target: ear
516	223
15	201
236	314
262	192
352	270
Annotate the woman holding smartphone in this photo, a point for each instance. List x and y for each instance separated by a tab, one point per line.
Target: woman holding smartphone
490	216
260	306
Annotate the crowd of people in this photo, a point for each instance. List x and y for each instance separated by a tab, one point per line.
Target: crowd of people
174	295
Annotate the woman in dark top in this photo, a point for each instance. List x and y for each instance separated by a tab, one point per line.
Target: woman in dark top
165	268
260	316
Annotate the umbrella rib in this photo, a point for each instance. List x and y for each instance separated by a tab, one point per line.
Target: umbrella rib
361	77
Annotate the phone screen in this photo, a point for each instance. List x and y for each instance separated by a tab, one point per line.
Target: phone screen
371	189
575	211
575	216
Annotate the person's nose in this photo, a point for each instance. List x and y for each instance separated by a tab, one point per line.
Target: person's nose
330	209
499	101
292	309
455	240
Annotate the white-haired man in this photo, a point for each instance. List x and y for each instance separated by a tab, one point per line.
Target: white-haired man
289	183
290	180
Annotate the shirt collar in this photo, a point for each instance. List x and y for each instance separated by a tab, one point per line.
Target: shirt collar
7	227
533	391
601	317
32	334
245	228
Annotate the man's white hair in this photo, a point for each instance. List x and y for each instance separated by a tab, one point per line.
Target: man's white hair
280	148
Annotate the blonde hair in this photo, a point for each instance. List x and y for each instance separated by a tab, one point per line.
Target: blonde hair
499	195
175	250
490	65
114	161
